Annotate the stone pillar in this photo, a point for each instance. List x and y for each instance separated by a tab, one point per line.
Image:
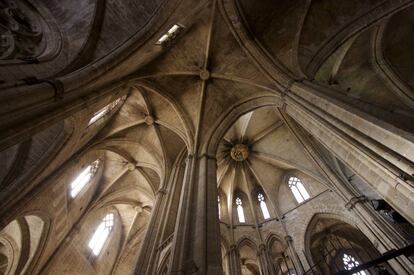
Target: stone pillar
206	234
147	260
265	262
386	235
379	155
196	246
148	250
294	256
182	227
234	261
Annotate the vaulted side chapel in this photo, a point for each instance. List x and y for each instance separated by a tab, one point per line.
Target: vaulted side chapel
219	137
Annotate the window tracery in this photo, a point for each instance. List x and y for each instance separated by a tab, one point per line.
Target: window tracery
83	178
263	206
350	262
298	190
240	211
101	234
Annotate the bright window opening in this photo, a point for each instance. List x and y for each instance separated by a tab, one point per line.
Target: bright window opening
101	234
350	262
219	211
240	211
105	110
298	189
83	179
263	206
170	35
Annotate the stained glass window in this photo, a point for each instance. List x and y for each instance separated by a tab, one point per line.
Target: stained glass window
350	262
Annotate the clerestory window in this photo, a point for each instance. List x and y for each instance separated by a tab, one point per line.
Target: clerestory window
219	211
240	211
83	178
298	190
105	110
263	206
101	234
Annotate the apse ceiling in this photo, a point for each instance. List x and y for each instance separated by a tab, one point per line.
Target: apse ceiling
257	152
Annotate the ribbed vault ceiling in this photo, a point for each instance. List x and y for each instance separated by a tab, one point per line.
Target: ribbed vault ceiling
272	151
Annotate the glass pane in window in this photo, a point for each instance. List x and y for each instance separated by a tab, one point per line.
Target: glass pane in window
83	178
297	194
219	212
265	212
101	234
240	213
302	190
298	189
80	181
350	262
104	111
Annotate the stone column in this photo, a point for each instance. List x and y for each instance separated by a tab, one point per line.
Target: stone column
196	246
147	260
144	262
294	256
379	155
265	262
234	261
206	233
353	200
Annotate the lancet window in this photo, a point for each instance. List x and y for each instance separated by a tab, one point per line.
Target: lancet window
263	206
105	110
101	234
298	190
83	178
240	211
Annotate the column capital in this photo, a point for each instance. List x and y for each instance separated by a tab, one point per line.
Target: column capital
354	200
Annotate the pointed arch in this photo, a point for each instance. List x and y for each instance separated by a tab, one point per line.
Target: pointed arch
25	239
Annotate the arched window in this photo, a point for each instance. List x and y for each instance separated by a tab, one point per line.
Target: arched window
298	189
83	178
263	206
101	234
240	211
218	202
350	262
105	110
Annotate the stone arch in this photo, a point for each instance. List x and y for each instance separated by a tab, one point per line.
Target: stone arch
248	252
23	162
24	240
228	118
43	39
329	236
164	264
183	117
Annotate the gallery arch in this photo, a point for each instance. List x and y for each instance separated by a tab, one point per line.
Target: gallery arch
335	245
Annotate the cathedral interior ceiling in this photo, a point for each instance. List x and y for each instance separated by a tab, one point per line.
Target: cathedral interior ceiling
218	88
